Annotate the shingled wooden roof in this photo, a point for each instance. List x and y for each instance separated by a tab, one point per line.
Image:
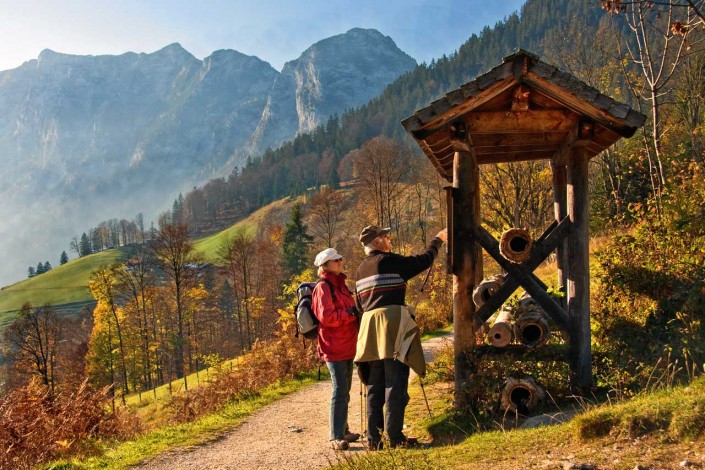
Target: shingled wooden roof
522	109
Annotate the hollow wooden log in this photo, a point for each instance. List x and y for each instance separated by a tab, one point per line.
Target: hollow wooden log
515	245
531	328
521	394
500	335
486	289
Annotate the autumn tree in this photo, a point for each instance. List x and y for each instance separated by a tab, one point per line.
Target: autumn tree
325	216
176	256
239	256
517	195
33	339
656	45
102	285
136	281
381	167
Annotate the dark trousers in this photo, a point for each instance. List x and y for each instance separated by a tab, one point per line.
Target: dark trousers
387	384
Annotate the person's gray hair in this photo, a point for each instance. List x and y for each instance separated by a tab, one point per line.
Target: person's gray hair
369	248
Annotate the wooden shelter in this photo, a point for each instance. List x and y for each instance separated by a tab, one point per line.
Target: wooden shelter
522	109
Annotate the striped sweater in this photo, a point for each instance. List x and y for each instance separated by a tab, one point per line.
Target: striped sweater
381	277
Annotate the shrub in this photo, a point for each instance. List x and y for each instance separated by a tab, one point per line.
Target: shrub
649	302
35	428
269	362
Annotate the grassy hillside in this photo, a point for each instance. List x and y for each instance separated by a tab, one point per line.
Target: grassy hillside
62	285
277	211
67	285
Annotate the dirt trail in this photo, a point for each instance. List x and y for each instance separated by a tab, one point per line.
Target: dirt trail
291	433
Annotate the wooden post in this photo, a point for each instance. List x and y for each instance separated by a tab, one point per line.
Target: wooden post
468	255
579	355
560	210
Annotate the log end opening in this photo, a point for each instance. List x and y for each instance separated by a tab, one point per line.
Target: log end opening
516	245
521	395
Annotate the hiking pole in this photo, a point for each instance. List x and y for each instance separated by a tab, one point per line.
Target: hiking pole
361	412
425	279
423	390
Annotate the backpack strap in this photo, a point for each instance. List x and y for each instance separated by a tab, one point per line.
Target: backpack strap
330	284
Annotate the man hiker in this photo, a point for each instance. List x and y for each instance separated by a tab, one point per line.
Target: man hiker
388	343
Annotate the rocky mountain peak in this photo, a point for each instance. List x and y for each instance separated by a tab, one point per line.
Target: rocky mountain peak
334	74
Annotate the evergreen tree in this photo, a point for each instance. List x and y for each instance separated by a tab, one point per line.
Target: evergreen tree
64	258
333	177
31	272
47	266
40	269
296	242
84	245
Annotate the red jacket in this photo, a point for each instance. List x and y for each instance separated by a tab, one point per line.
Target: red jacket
337	328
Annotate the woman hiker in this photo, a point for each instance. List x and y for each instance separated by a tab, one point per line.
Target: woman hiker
334	307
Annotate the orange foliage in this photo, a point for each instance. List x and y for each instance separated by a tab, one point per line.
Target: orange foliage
35	428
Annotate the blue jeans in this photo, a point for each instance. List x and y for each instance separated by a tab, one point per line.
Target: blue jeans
341	378
388	383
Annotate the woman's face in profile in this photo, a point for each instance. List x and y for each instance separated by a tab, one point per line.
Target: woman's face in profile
334	266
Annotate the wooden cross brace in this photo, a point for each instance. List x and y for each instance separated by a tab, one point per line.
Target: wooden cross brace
522	275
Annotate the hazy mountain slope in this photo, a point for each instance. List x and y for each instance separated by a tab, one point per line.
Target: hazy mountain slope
89	138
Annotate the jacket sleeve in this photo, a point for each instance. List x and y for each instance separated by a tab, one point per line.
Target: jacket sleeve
410	266
325	310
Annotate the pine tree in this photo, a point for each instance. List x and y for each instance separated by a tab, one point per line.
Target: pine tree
31	272
296	242
64	258
40	268
47	266
85	245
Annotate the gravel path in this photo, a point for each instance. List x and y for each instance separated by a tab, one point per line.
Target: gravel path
291	433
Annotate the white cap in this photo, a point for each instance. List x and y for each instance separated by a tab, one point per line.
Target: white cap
326	255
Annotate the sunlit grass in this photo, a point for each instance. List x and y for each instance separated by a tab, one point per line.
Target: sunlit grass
670	422
62	285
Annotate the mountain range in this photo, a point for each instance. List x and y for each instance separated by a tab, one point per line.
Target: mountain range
86	138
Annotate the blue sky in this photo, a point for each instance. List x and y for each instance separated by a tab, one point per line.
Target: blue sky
273	30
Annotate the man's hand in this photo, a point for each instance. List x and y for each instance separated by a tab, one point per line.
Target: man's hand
443	235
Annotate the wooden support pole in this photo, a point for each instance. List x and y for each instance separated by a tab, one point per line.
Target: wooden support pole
467	273
579	354
560	210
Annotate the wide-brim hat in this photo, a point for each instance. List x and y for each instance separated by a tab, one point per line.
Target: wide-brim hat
371	232
326	255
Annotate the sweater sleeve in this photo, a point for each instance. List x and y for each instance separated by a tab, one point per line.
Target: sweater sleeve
325	310
410	266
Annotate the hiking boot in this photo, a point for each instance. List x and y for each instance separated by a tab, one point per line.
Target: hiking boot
372	446
351	436
340	444
407	443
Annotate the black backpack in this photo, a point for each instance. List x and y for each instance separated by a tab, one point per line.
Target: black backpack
306	321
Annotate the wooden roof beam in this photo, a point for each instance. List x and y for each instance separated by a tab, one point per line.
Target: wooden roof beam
433	125
576	104
513	157
500	140
532	121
